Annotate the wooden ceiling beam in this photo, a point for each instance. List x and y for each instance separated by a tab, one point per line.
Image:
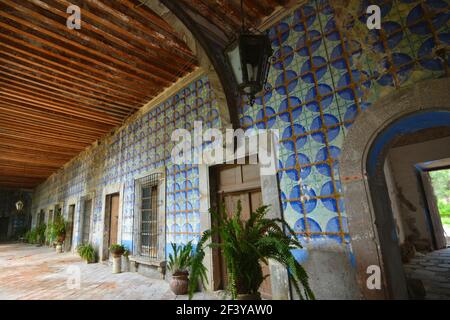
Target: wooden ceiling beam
74	65
48	42
78	84
20	110
93	30
163	43
83	102
89	43
69	110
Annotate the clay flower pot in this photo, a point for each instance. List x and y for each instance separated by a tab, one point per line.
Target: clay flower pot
179	283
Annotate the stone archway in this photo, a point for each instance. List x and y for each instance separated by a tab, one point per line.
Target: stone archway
427	96
209	60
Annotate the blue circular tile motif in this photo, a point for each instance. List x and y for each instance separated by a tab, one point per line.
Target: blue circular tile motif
290	78
310	202
294	131
321	68
333	226
356	77
279	34
403	63
330	30
283	57
269	112
416	17
324	91
313	226
322	155
337	54
291	162
328	192
305	16
292	103
246	121
426	49
267	95
328	121
352	112
393	34
315	39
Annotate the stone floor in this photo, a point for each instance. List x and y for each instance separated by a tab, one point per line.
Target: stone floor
30	272
433	269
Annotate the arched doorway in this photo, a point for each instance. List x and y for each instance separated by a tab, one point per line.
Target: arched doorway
416	112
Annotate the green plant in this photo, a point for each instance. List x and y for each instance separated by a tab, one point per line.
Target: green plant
40	233
31	236
180	260
57	230
86	252
244	246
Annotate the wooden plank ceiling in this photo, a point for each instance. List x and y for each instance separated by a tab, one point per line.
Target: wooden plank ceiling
225	15
62	89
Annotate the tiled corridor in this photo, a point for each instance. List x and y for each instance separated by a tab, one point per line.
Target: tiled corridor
433	269
30	272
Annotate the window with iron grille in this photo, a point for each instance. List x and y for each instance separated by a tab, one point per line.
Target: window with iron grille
147	194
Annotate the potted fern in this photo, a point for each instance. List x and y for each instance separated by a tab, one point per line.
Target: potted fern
179	263
244	246
117	251
57	231
86	252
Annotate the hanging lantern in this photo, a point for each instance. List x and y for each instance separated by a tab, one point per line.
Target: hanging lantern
248	57
19	206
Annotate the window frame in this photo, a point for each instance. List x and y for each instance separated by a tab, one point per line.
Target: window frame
160	206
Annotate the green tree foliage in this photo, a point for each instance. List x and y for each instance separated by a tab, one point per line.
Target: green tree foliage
441	186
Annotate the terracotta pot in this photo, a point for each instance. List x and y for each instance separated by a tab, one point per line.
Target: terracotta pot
116	253
253	296
179	283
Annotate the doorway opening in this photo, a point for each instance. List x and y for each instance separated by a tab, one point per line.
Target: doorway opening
4	226
230	184
111	223
440	182
69	228
409	224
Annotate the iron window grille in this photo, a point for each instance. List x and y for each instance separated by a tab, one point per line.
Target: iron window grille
147	197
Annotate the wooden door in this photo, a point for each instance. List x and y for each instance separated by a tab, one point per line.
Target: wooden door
239	183
69	229
114	219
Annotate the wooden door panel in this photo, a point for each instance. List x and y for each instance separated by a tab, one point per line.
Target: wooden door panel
235	181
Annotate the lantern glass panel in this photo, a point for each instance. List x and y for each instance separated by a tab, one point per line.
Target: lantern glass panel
234	56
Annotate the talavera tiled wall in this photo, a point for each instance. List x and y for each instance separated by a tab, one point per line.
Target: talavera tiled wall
321	79
139	147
